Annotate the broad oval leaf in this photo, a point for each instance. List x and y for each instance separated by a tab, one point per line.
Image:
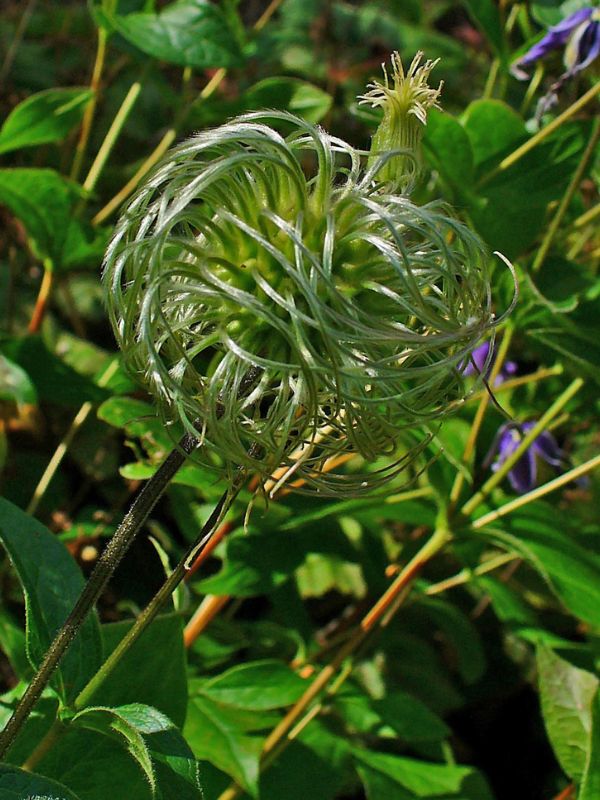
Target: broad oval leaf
567	696
191	33
51	584
44	201
259	686
154	742
42	118
404	778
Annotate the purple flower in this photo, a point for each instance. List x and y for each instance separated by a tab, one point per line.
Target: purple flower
481	362
578	34
523	475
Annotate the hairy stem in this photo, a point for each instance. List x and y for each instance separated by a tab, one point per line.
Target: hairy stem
108	562
165	591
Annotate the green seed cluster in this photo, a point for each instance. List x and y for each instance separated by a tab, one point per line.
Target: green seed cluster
289	319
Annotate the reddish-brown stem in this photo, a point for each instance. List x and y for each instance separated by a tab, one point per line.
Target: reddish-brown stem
41	303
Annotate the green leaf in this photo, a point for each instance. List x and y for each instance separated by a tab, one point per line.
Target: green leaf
511	206
44	202
53	380
560	284
403	778
155	744
292	94
16	784
191	33
12	637
224	736
590	784
572	571
257	686
159	651
461	634
300	773
15	383
448	149
408	717
494	130
115	722
486	16
51	584
44	117
567	696
95	766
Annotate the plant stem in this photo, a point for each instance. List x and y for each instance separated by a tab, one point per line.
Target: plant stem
45	745
527	440
165	591
478	419
41	302
540	491
108	562
64	445
88	117
161	148
539	137
566	199
465	575
522	380
111	137
17	37
588	216
170	135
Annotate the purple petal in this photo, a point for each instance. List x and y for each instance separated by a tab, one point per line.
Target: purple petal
522	477
557	37
477	360
583	48
547	448
566	25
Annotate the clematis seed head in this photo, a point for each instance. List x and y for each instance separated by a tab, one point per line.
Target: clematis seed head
290	316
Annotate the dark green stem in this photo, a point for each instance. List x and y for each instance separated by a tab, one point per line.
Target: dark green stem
165	591
108	562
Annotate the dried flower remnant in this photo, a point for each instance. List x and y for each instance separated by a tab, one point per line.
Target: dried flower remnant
288	319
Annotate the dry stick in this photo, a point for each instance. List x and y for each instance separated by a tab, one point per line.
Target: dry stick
108	562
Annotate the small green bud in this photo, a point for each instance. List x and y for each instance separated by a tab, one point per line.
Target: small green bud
405	100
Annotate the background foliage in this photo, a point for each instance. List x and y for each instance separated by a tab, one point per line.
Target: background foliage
484	684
